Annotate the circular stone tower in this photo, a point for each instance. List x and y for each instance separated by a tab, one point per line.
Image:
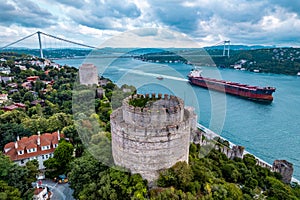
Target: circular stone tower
151	133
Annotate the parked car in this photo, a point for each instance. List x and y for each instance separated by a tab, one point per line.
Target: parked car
61	179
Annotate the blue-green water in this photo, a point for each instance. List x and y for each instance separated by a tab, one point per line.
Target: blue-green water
268	131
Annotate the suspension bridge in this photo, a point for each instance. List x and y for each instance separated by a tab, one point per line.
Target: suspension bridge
43	37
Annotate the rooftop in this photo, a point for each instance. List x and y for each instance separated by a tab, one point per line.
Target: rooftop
11	149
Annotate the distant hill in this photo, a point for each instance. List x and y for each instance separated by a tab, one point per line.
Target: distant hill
268	60
284	60
240	47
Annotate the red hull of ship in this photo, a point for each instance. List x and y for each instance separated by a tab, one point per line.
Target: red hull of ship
241	90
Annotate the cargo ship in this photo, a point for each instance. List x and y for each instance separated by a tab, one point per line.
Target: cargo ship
262	94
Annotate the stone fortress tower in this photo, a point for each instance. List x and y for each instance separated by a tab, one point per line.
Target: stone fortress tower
88	74
151	137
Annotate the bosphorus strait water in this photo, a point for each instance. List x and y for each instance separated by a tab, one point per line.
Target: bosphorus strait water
269	131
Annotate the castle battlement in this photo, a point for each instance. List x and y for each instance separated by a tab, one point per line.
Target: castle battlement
159	111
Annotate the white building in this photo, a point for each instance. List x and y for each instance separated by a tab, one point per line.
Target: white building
3	98
41	193
5	70
39	147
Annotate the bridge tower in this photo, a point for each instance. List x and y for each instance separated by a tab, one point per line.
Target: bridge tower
40	44
226	48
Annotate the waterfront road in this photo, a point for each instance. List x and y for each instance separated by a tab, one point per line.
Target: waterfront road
60	191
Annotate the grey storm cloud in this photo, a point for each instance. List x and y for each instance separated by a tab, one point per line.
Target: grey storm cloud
25	13
291	5
187	18
97	14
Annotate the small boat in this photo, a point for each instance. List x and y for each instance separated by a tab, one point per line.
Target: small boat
160	78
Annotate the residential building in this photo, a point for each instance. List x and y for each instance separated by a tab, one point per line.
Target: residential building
3	98
14	106
39	147
32	78
41	192
5	70
6	78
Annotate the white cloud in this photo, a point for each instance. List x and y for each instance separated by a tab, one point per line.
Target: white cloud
206	21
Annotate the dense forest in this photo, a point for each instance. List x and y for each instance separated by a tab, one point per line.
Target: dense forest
267	60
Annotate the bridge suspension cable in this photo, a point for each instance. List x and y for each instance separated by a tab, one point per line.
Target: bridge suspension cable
69	41
18	41
39	33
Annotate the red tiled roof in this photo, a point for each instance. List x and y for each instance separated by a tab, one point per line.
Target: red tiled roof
3	95
31	142
32	78
10	108
20	105
9	145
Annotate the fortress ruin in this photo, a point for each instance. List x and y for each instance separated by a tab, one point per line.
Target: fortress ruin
151	133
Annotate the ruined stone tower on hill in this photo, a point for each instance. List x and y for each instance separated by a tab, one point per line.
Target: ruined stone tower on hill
151	133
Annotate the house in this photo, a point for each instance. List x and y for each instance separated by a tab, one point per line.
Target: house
13	91
36	102
3	98
6	78
22	67
27	85
9	108
5	70
14	106
39	147
13	85
32	78
41	192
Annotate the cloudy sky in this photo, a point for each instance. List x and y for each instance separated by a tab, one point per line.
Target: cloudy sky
207	22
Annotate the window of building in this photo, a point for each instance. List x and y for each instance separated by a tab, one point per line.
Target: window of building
45	147
47	156
20	152
43	157
22	161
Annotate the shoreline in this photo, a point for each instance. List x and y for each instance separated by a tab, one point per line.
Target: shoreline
210	135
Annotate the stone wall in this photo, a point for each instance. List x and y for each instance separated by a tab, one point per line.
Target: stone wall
146	140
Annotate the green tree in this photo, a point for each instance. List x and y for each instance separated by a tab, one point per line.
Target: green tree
9	192
16	97
36	124
84	170
28	96
10	131
14	175
63	155
58	121
33	170
15	116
